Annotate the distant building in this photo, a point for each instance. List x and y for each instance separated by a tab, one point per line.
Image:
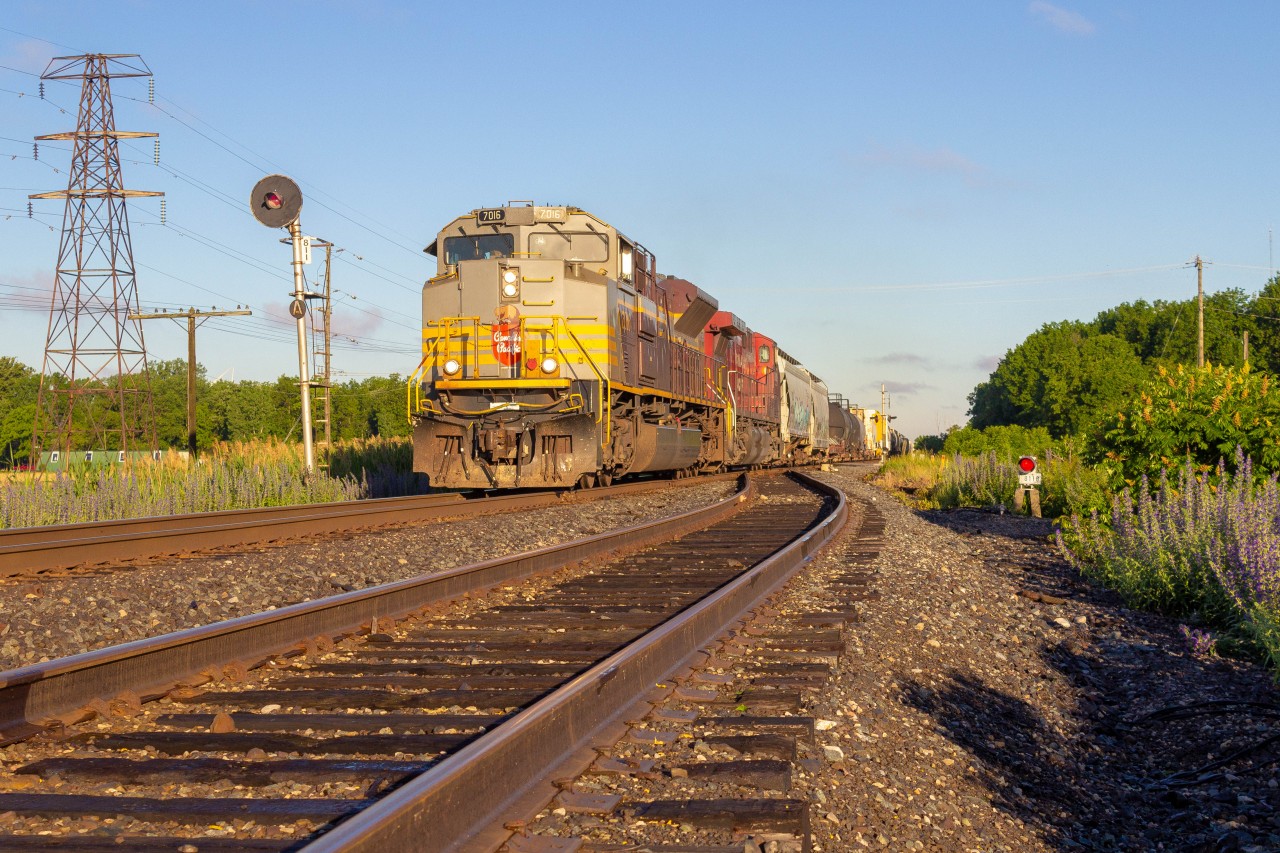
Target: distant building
56	460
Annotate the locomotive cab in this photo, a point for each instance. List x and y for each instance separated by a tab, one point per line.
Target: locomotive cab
508	392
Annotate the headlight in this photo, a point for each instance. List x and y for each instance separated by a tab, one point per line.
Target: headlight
550	365
509	282
452	366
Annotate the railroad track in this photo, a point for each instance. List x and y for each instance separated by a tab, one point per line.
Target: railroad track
76	548
464	714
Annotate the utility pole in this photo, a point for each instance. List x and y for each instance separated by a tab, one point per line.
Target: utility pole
884	424
1200	312
191	315
326	313
1246	347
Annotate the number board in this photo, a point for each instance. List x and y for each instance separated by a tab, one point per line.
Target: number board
491	216
550	214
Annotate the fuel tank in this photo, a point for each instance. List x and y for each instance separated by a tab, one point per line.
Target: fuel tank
665	448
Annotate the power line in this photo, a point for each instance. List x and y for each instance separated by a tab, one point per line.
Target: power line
230	201
985	283
46	41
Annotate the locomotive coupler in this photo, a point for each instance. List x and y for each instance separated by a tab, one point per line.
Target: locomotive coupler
499	443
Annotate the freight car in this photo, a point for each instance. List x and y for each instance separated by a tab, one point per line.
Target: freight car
555	354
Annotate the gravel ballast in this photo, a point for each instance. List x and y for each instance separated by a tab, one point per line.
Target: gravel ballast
56	617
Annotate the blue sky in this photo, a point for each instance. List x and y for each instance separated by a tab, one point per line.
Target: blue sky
898	192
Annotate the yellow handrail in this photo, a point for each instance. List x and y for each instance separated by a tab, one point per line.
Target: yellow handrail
603	413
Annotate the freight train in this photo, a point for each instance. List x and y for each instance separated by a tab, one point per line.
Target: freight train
554	354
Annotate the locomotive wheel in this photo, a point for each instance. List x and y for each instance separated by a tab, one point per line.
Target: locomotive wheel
587	481
605	478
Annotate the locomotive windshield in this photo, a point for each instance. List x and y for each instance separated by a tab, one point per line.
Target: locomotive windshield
561	245
478	248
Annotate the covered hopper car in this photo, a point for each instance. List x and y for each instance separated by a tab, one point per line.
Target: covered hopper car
554	354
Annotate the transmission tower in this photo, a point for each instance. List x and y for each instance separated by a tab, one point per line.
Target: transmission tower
95	392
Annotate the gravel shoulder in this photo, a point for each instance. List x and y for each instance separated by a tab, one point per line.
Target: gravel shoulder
980	718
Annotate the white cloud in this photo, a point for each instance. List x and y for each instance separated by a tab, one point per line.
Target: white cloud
27	55
899	358
1061	19
905	389
941	161
988	363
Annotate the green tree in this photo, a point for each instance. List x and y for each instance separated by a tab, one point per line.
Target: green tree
1059	378
1167	332
19	389
1264	345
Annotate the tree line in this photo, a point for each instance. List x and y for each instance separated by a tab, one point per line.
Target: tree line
1064	374
1125	387
225	411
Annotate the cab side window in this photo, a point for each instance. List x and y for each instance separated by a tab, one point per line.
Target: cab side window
624	269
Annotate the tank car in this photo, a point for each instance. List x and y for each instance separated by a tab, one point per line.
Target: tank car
554	354
805	413
848	434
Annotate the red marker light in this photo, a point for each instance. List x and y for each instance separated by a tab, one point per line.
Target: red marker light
1027	464
273	201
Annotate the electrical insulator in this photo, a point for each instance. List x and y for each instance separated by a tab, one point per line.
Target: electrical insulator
162	211
151	90
35	151
29	213
157	151
42	90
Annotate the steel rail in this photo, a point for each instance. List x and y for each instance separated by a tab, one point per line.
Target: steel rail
458	805
27	550
33	696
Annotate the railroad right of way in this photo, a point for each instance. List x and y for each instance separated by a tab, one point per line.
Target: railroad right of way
448	671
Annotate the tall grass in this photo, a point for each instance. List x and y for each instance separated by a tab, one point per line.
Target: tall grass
982	481
236	475
383	465
990	481
913	473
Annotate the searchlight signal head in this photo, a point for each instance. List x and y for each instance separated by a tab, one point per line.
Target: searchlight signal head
1027	464
276	201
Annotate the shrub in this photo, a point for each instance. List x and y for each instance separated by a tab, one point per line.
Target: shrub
1191	415
929	443
1207	547
982	481
1006	442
